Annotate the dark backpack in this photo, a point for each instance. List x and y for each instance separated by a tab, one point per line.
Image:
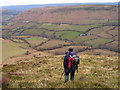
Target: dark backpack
73	62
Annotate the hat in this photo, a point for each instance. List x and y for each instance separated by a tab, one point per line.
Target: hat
70	48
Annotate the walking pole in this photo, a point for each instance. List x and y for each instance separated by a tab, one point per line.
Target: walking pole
62	75
77	70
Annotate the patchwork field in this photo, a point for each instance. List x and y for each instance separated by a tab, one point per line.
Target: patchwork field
41	36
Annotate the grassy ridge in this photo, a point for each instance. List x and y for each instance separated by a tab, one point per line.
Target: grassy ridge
44	72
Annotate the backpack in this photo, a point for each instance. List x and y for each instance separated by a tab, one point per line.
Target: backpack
73	62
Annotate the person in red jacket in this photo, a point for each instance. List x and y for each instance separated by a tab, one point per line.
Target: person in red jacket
66	66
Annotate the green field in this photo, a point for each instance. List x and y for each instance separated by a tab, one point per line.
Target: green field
57	34
100	52
95	31
35	40
33	32
29	25
11	23
61	51
105	35
49	33
92	22
84	38
18	40
113	45
107	27
10	49
70	35
53	43
114	32
97	42
60	27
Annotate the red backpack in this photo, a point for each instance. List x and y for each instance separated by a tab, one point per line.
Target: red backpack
73	62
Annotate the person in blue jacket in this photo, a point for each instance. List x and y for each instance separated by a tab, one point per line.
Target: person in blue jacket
67	70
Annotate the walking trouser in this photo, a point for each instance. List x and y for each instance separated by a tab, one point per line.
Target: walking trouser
71	75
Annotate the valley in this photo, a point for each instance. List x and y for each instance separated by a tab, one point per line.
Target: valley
34	43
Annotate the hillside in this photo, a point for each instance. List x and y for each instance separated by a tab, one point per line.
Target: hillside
44	72
88	28
69	14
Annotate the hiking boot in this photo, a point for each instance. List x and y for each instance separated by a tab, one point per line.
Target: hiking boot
66	78
72	78
66	81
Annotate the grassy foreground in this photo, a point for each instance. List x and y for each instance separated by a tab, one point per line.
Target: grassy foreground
44	72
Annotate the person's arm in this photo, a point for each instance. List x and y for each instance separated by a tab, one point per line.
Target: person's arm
78	61
65	61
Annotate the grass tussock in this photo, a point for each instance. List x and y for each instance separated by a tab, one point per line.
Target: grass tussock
44	72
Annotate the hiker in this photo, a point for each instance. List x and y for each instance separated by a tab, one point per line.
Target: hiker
70	64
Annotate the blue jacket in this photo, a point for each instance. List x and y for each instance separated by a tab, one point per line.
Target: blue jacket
66	60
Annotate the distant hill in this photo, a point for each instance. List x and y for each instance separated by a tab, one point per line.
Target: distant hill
69	14
8	14
27	7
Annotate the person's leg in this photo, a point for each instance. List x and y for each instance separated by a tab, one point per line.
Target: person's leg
66	76
72	75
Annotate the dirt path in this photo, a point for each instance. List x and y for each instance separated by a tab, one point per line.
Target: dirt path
13	59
